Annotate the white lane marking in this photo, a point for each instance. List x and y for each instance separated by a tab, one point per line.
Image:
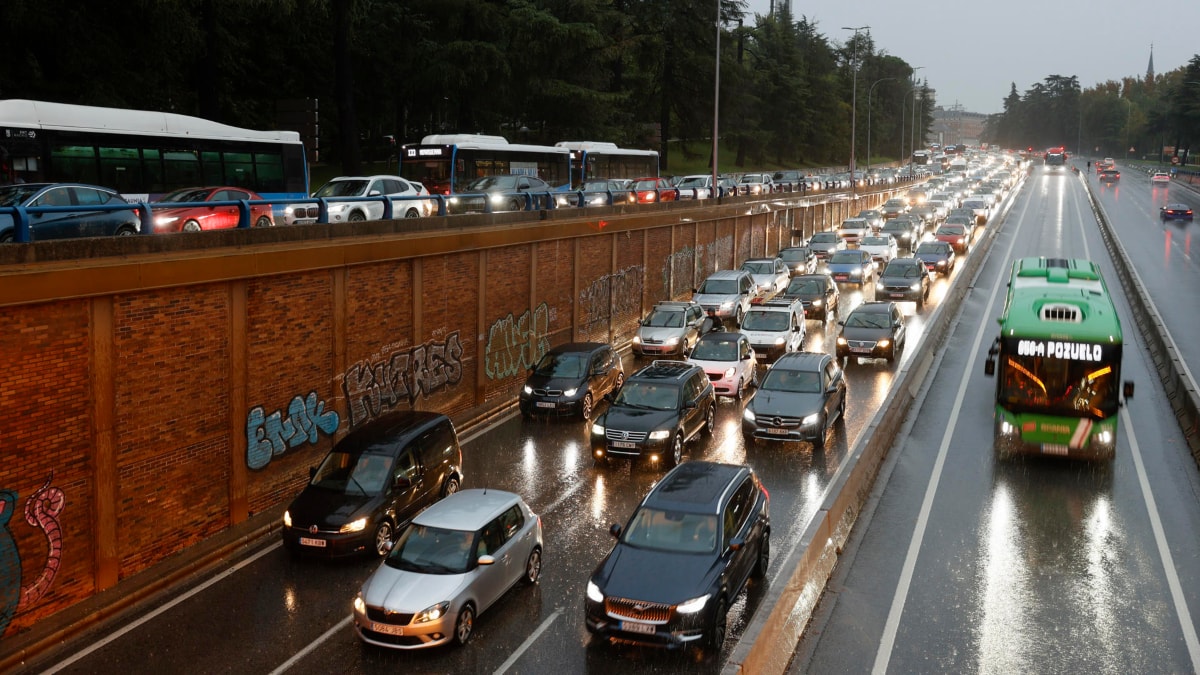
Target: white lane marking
888	640
1164	551
313	645
562	498
508	663
148	617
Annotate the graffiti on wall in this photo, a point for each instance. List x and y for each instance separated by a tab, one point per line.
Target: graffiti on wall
716	251
612	294
375	386
515	344
682	266
41	512
271	435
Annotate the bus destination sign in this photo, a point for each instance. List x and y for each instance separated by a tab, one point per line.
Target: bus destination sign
1058	349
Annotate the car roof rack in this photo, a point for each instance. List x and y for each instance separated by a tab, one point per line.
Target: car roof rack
664	364
778	302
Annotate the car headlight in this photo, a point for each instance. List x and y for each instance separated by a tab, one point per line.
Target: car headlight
570	392
496	199
779	341
597	429
941	263
453	200
856	272
816	303
528	389
879	285
165	220
660	435
729	372
810	420
694	605
916	286
727	305
432	613
883	343
672	342
287	519
841	341
593	592
360	607
637	339
337	208
354	526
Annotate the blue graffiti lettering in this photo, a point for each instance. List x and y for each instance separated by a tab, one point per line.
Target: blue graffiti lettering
271	435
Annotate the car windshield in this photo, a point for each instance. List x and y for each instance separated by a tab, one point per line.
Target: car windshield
353	474
715	350
664	318
804	287
794	254
955	230
694	181
561	365
648	395
876	241
17	194
824	238
765	320
596	186
342	188
646	184
674	531
434	550
762	267
799	381
846	257
485	183
904	269
930	247
187	195
719	287
867	320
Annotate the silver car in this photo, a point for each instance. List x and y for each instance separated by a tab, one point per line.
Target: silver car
670	329
452	562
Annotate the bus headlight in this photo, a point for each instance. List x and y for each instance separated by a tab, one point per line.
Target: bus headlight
1104	437
1006	428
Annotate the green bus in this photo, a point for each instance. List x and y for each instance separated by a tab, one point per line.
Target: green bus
1058	358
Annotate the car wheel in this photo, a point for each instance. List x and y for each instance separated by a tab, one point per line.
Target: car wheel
841	418
513	205
6	238
126	232
412	213
677	449
819	442
764	557
383	537
715	636
191	226
620	381
740	389
891	357
739	315
586	407
533	567
464	625
263	221
450	486
710	422
356	217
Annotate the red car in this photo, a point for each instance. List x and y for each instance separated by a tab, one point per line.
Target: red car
199	217
651	190
958	236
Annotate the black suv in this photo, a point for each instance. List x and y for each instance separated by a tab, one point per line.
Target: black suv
372	483
904	279
683	558
659	409
873	330
818	292
800	398
570	379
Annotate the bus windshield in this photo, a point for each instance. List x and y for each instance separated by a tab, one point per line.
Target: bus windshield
1071	387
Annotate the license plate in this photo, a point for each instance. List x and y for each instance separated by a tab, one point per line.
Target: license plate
623	444
896	295
778	432
545	404
319	543
635	627
387	628
861	350
304	221
841	277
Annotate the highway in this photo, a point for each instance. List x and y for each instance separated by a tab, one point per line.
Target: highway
963	563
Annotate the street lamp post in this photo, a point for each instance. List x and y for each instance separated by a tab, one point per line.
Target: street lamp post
869	92
1128	118
716	105
853	102
904	110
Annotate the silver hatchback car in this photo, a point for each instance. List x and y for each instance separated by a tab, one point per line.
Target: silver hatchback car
455	559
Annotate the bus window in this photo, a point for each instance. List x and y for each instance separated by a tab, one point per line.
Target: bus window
74	163
210	163
120	168
239	169
179	168
268	169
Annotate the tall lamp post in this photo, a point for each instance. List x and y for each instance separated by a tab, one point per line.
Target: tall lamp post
716	105
869	92
853	102
904	109
1128	119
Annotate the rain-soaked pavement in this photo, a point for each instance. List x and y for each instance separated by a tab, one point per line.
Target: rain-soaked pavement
969	564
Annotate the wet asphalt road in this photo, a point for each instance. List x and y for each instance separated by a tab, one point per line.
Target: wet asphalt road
266	612
966	564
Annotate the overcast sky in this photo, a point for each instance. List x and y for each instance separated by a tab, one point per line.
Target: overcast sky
974	50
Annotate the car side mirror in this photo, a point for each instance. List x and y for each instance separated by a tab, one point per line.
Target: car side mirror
486	560
736	543
615	530
401	483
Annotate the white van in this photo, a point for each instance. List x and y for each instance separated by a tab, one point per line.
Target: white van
775	328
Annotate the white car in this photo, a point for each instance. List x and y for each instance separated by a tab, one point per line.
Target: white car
398	189
1160	177
729	361
695	187
882	248
853	229
771	275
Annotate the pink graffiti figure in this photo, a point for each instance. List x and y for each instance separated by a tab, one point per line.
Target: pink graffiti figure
41	511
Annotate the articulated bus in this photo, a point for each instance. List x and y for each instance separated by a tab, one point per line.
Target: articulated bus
593	159
143	154
1057	362
445	163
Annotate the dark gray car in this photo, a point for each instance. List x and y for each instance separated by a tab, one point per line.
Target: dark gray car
800	398
62	223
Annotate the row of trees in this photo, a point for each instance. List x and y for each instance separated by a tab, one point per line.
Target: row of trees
635	72
1152	117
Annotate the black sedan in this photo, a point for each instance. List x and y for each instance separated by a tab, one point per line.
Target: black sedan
938	256
906	230
873	330
683	558
570	379
818	292
1175	212
68	215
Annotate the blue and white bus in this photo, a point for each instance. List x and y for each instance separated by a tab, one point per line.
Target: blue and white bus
445	163
143	154
597	159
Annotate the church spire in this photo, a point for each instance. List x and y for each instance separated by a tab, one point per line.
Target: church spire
1150	67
